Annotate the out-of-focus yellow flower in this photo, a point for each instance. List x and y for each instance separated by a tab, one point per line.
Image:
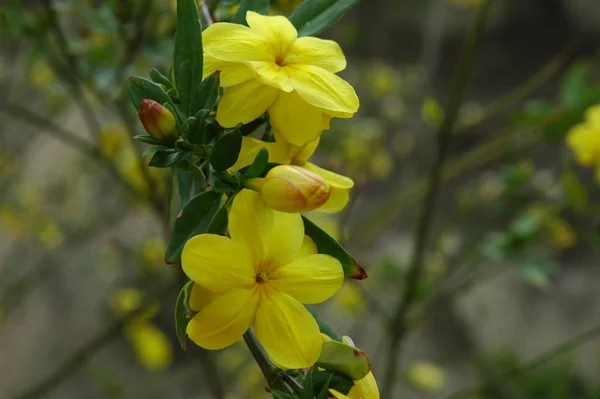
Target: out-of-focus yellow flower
267	67
350	299
50	234
127	300
561	234
426	376
383	80
292	189
13	221
365	388
152	347
113	138
41	75
432	112
153	252
283	152
382	164
267	278
29	197
584	140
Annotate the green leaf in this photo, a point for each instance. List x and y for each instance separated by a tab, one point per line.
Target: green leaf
181	314
158	77
222	187
328	245
536	273
325	379
184	185
154	148
575	191
187	56
259	6
140	88
227	150
196	133
336	356
218	224
308	391
193	219
323	327
574	85
208	91
145	138
314	16
258	165
166	158
281	395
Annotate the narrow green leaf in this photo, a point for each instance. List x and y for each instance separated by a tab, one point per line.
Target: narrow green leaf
187	56
575	191
158	77
198	213
196	133
259	6
336	356
281	395
324	392
181	314
147	139
574	85
222	187
314	16
324	327
325	379
227	150
208	91
258	165
140	88
308	391
328	245
154	148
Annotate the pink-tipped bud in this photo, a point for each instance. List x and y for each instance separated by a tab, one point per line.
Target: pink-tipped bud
158	121
292	189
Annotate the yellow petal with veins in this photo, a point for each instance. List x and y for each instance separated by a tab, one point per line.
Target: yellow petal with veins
310	279
295	119
325	54
277	30
245	102
286	330
235	43
225	320
232	73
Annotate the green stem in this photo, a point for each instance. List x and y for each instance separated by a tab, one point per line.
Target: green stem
399	325
266	366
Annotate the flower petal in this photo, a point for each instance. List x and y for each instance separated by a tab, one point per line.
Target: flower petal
244	103
339	188
365	388
308	247
200	297
286	330
332	178
274	237
272	75
338	199
325	54
277	30
225	320
235	43
232	73
297	154
310	279
323	89
338	395
251	146
295	119
217	263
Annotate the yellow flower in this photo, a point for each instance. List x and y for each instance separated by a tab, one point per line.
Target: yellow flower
152	347
283	152
267	67
427	376
365	388
50	234
584	140
260	276
291	188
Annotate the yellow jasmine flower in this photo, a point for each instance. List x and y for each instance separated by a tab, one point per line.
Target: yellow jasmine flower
584	140
365	388
259	277
283	152
153	349
267	67
427	376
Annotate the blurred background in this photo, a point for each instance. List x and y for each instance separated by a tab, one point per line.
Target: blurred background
507	304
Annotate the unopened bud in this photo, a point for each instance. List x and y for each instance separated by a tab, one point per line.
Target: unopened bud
292	189
158	121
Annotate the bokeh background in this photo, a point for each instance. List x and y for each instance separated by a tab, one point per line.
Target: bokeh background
508	304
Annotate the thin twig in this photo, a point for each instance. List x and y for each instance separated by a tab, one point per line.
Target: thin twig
564	348
89	349
399	325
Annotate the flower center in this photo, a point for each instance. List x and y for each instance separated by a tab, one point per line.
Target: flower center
261	277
